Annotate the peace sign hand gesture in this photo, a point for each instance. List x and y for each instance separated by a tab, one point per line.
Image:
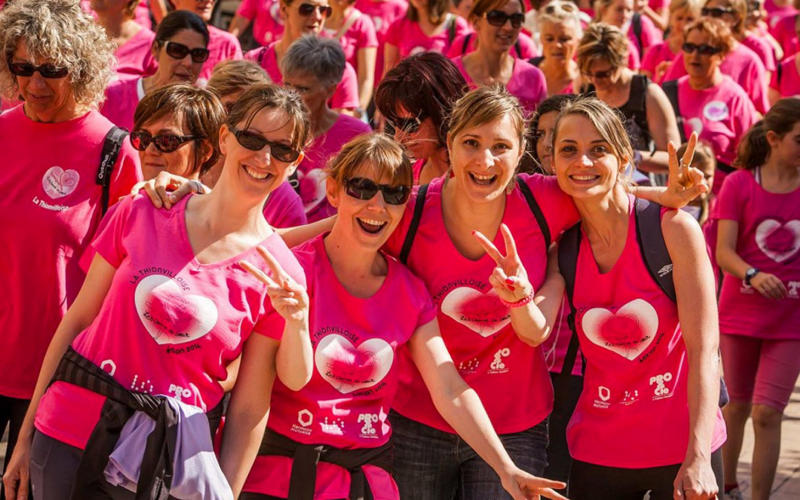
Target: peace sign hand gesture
288	297
684	182
509	279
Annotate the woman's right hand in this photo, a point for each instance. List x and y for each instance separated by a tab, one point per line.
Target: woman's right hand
166	189
16	477
288	297
769	285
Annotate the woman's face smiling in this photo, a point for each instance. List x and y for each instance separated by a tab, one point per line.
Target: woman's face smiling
499	38
171	70
298	24
544	140
179	162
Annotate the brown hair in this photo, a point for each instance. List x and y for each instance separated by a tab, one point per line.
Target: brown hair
717	31
602	42
754	149
484	105
481	7
381	152
740	11
235	75
435	10
693	6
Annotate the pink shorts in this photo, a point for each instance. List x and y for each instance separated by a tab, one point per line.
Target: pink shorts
760	371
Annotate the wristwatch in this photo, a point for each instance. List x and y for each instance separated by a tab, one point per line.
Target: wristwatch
749	275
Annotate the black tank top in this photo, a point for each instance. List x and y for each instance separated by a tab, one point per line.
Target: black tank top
635	112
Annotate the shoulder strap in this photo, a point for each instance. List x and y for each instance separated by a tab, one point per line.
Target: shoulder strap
568	247
465	45
419	205
111	146
652	246
451	28
536	61
636	23
671	89
778	72
354	15
518	49
537	211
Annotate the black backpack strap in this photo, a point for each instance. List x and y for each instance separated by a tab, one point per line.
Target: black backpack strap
568	247
451	29
518	49
778	72
671	89
652	246
465	45
419	205
636	24
536	61
111	147
537	211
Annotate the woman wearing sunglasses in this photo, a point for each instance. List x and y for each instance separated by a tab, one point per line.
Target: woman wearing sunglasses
55	57
180	50
365	308
132	39
497	25
560	33
657	60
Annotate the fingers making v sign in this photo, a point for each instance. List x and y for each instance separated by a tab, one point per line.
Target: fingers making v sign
288	297
509	279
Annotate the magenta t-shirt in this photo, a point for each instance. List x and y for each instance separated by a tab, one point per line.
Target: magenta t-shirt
221	46
346	403
637	368
49	211
360	35
657	54
344	97
762	49
527	48
383	14
311	171
785	33
135	56
476	327
789	84
768	239
266	17
409	39
122	97
284	208
527	83
650	35
169	324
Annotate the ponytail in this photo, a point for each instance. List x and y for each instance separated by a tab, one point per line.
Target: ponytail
753	148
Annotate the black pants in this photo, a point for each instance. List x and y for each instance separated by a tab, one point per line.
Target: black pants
596	482
12	413
567	390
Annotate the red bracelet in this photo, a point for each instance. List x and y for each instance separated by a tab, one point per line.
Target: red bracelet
521	302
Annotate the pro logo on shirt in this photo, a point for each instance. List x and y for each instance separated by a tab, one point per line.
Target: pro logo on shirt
483	313
349	368
58	182
777	240
716	111
627	332
170	314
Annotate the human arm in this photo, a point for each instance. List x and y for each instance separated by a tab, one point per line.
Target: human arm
159	9
238	25
391	56
366	74
773	96
768	285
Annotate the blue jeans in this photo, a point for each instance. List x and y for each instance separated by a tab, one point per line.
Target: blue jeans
430	464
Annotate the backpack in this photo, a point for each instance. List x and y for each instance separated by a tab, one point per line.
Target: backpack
108	157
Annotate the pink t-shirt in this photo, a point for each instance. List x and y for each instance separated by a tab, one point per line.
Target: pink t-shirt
657	54
637	369
768	239
266	17
762	49
634	58
527	49
221	46
135	56
169	324
720	115
383	14
311	171
284	208
142	15
527	83
344	97
789	84
360	35
409	39
743	66
556	346
50	210
786	35
476	327
346	403
650	35
122	97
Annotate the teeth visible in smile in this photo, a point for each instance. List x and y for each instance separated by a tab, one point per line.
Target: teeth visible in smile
584	177
483	177
256	174
371	222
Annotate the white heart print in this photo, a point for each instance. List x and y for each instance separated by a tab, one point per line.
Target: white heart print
483	313
767	229
349	368
716	111
171	315
627	332
58	182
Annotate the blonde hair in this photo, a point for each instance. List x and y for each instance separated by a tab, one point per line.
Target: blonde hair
235	75
693	6
560	12
383	154
484	105
602	42
271	96
481	7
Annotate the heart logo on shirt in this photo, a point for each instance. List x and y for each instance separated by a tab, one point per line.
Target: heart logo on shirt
349	368
777	240
58	182
716	111
627	332
483	313
169	314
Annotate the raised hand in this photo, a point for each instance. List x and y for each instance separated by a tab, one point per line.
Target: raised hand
684	182
166	189
509	279
288	297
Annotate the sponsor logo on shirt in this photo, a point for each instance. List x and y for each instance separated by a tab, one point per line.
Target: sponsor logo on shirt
58	182
367	430
661	390
469	366
336	427
627	332
498	366
49	206
716	111
304	418
603	396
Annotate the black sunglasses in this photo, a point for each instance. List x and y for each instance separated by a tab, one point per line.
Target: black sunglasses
178	51
46	70
256	142
365	189
408	125
166	143
306	9
702	49
498	18
716	11
599	75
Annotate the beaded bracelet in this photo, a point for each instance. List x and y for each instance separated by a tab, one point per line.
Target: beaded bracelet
521	302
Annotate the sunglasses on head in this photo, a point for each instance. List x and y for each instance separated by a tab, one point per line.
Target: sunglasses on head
498	18
256	142
702	49
28	69
178	51
365	189
306	9
166	143
716	11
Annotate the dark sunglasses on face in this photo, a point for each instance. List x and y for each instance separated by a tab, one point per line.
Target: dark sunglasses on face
306	9
178	51
599	75
716	11
702	49
46	70
256	142
498	18
365	189
408	125
166	143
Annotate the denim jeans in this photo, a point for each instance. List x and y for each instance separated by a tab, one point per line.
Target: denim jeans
430	464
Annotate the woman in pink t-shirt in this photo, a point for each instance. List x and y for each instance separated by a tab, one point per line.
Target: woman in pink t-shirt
785	81
497	24
560	33
133	40
640	30
757	248
734	14
658	59
265	16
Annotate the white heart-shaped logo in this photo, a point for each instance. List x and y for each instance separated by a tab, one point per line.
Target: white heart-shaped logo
58	182
483	313
627	332
169	314
777	240
348	368
716	111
